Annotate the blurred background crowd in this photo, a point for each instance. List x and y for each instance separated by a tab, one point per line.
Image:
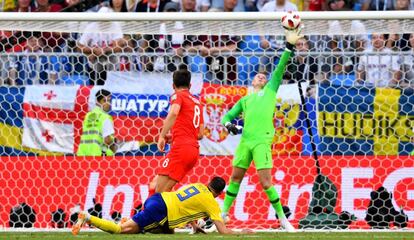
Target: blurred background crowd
379	60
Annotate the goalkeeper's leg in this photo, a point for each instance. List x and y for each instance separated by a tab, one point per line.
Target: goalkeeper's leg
265	179
233	189
262	156
242	160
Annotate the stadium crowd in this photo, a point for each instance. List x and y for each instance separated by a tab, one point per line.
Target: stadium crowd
37	58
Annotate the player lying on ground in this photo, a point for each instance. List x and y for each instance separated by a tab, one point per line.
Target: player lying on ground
185	120
258	110
168	210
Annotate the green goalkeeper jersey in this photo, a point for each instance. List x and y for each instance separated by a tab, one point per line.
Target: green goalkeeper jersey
258	108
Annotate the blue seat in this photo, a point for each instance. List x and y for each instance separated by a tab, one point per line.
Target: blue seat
342	79
73	79
247	68
197	64
251	43
242	70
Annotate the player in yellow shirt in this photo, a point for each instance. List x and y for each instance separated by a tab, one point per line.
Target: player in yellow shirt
168	210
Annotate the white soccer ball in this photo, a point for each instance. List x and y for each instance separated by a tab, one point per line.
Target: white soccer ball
290	21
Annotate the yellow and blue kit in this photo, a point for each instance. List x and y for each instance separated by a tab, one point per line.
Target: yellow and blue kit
175	209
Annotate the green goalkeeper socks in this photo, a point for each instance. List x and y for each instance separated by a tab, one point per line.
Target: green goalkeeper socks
231	194
275	201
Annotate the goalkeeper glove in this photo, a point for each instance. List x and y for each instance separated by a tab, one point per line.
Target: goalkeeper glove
233	129
292	36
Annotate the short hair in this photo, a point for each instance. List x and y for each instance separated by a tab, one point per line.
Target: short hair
264	72
217	184
102	94
385	35
182	77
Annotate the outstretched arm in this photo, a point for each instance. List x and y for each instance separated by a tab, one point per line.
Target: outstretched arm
292	36
233	113
277	74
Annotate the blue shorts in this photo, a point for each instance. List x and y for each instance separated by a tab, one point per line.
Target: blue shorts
154	215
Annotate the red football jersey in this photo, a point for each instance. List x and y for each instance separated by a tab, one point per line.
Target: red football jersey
190	117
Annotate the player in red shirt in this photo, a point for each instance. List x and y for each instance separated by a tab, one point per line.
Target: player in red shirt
185	120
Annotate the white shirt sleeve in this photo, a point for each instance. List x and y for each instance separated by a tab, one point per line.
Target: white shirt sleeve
108	128
362	63
395	64
84	39
205	3
294	7
268	7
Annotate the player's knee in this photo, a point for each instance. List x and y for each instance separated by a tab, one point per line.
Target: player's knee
266	183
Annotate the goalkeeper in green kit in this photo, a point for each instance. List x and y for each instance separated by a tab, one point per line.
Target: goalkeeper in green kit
258	113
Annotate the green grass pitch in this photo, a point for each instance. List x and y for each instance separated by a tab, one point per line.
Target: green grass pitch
273	236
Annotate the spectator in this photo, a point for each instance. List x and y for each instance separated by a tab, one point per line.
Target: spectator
228	6
46	6
250	6
380	69
311	92
151	6
163	43
189	6
279	6
392	42
221	65
261	3
339	5
219	4
33	69
54	40
302	67
101	47
83	6
407	65
314	5
69	3
195	5
402	5
25	6
118	5
339	69
378	5
217	50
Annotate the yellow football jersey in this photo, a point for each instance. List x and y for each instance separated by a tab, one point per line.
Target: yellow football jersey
189	203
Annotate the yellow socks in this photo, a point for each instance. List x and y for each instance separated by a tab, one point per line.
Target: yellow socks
105	225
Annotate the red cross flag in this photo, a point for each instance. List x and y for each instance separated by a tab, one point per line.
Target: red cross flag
52	117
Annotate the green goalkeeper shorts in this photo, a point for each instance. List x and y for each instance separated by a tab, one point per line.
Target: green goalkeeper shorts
260	153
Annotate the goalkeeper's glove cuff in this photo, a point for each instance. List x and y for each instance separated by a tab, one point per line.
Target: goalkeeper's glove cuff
231	128
290	46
